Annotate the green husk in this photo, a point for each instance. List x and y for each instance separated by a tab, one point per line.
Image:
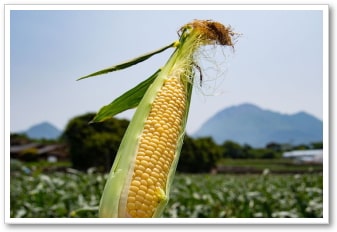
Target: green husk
128	63
126	101
121	171
181	62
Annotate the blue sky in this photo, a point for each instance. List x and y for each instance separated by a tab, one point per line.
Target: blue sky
277	63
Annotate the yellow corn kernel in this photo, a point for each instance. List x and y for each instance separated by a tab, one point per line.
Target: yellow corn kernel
153	163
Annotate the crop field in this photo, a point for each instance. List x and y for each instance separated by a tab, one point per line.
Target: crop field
77	194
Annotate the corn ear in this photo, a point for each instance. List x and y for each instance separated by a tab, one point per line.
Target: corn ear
114	198
139	181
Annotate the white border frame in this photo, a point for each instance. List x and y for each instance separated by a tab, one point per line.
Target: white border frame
324	220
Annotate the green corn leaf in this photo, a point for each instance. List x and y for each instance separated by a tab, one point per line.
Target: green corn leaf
129	63
126	101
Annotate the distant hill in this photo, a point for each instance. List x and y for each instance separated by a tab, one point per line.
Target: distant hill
249	124
43	130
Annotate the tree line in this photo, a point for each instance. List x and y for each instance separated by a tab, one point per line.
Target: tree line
96	144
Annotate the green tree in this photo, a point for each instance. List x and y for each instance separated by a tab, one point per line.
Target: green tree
274	146
93	145
19	139
263	153
317	145
301	147
232	150
198	155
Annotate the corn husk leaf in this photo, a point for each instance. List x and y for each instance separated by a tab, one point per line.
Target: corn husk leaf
128	63
126	101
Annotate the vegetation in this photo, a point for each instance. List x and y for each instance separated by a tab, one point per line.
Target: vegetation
77	194
208	196
42	189
275	166
21	139
93	145
198	155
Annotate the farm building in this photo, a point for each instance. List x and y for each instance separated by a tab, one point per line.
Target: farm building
305	156
35	151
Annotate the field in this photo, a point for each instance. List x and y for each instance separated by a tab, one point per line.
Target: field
246	196
275	166
76	194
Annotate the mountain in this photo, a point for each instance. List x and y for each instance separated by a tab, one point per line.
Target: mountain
249	124
43	130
